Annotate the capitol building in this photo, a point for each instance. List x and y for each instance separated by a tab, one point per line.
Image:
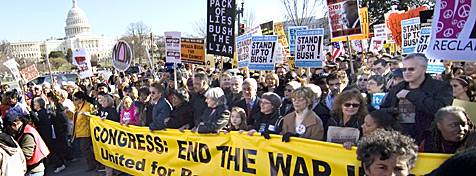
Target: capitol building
78	35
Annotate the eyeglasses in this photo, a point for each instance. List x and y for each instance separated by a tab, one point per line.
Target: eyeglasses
264	102
355	105
362	79
153	93
289	90
409	69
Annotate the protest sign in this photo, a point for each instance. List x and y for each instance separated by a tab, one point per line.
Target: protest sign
255	30
344	17
12	65
394	21
82	60
309	48
410	35
454	35
377	100
210	61
172	47
30	73
468	106
121	56
342	135
138	151
292	37
279	31
192	50
221	27
380	31
426	17
376	44
262	52
243	47
357	45
422	44
291	63
267	28
364	19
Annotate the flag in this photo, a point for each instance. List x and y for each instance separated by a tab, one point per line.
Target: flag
337	50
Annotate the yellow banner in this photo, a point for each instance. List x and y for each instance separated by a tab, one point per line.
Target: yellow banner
279	31
364	20
138	151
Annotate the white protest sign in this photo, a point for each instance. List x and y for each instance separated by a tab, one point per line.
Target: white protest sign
454	31
376	44
172	47
262	52
357	45
82	60
309	48
12	65
380	31
341	135
422	44
410	34
243	47
292	37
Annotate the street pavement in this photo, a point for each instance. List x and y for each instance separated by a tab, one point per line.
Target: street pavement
75	168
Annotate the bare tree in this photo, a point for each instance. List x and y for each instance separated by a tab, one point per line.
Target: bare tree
200	27
136	35
299	12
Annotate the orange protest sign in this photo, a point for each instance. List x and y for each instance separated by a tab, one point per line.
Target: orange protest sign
192	50
395	19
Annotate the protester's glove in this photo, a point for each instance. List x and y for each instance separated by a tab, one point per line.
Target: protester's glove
265	134
287	135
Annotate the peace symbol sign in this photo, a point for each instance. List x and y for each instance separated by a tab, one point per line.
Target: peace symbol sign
461	24
444	4
448	32
464	10
454	22
439	26
448	14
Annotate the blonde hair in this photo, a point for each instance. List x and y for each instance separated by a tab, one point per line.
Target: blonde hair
127	101
304	92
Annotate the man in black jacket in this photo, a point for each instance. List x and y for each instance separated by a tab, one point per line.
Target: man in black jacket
418	98
250	101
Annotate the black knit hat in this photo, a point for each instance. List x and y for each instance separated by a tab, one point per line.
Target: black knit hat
274	98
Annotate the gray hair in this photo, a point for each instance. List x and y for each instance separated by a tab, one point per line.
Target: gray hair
217	95
419	57
109	100
384	144
316	89
40	101
238	78
251	82
449	110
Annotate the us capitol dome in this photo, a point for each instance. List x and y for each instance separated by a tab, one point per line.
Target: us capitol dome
77	35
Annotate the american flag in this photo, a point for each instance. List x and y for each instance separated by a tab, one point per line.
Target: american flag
337	50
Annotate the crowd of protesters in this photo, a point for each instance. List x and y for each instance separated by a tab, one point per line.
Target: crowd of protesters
45	125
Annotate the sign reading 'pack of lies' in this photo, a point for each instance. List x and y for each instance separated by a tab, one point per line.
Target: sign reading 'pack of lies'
220	27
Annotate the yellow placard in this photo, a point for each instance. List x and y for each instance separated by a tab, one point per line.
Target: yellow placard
468	106
364	21
291	63
192	50
138	151
210	61
279	31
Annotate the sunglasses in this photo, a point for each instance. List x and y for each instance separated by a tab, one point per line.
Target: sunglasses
355	105
409	69
289	90
363	79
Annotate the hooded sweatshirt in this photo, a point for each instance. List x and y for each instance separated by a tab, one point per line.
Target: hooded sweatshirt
12	160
